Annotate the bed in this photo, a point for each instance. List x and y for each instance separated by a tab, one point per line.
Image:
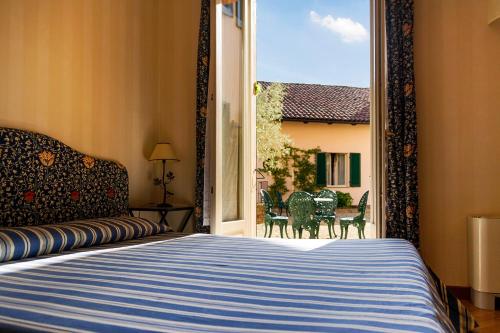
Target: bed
205	283
72	262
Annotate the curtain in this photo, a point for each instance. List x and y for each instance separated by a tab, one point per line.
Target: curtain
402	187
201	190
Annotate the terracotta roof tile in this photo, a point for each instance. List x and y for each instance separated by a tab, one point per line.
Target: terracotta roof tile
326	104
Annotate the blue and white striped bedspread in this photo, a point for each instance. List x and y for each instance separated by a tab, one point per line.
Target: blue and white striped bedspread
205	283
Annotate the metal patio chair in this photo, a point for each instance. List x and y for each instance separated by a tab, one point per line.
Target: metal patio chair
270	217
358	221
302	210
326	210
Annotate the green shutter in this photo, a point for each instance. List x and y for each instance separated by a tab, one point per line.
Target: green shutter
355	169
321	169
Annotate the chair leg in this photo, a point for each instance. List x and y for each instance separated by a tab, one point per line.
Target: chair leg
265	229
271	230
333	229
294	232
300	233
359	233
346	231
363	232
330	230
281	230
312	233
286	231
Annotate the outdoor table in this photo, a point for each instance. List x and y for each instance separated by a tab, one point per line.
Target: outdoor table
323	199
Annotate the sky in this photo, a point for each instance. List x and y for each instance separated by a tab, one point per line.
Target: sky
314	41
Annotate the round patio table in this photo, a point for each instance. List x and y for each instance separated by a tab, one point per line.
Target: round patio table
319	206
318	200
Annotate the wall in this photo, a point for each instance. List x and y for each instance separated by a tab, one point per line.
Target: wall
457	63
84	72
335	138
177	60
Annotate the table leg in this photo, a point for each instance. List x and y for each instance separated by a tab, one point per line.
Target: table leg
185	220
163	217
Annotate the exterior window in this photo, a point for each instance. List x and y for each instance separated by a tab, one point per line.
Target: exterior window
336	169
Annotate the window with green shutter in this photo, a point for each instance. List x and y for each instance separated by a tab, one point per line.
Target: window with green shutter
321	169
355	169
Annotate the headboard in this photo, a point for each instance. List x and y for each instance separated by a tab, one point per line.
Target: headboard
43	181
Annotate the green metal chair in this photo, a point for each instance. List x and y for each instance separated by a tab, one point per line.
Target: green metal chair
358	221
326	210
281	203
270	217
302	210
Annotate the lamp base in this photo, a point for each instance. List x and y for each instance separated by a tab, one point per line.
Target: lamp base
164	204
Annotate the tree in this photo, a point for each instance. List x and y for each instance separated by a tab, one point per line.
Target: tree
271	142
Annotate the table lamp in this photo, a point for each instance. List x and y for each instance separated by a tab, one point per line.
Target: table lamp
163	152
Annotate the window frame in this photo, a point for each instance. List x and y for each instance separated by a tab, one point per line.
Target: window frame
332	177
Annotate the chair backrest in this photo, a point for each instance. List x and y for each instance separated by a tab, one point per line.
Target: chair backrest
267	200
327	208
362	205
302	207
279	198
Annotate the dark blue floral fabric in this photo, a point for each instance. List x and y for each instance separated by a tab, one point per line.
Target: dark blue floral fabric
402	186
43	181
201	112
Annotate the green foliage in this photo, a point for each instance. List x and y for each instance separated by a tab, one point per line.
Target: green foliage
304	168
280	172
344	200
271	142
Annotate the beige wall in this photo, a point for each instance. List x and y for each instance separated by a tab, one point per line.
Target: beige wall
335	138
84	72
107	77
178	50
457	62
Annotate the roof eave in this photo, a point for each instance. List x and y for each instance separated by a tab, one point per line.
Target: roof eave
327	121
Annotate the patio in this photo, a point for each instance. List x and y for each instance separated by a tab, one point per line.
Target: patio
370	229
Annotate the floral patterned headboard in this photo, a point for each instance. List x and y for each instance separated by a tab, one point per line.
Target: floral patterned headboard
43	181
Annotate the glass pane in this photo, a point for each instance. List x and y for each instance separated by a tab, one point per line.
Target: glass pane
329	169
232	64
341	168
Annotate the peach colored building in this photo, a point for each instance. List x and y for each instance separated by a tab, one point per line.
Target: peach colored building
335	119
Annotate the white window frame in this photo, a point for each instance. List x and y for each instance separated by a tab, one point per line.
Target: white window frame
378	113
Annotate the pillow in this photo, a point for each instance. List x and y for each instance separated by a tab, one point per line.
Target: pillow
460	316
31	241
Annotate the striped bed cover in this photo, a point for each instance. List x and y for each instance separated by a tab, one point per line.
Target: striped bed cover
205	283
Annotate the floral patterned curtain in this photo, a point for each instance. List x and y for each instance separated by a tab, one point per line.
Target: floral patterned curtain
201	113
402	186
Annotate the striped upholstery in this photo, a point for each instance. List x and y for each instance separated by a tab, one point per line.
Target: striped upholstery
207	283
460	316
31	241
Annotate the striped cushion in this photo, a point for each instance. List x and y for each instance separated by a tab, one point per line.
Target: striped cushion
31	241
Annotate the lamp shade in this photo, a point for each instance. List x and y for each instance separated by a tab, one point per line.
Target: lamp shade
163	151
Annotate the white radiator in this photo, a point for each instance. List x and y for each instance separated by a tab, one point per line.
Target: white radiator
484	260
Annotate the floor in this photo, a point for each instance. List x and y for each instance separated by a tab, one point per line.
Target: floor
489	321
